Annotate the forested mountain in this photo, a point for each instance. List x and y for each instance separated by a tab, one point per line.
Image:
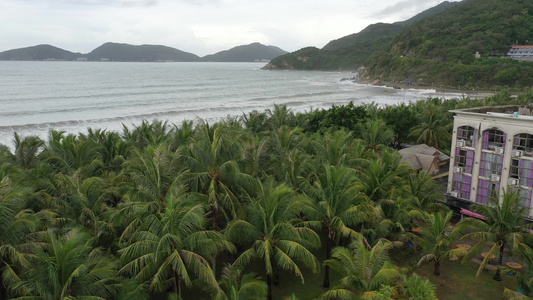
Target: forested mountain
244	53
350	52
125	52
440	50
143	53
39	52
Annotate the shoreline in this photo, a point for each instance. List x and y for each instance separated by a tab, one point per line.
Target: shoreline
396	85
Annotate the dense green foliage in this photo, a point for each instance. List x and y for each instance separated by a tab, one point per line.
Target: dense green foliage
39	52
439	51
222	210
252	52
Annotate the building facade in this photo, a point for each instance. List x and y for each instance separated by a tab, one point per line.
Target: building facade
521	52
492	150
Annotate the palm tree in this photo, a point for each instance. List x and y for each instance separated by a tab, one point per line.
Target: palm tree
254	121
69	268
146	134
432	128
214	170
83	202
383	175
361	269
280	116
271	234
17	238
339	148
397	216
111	148
376	134
337	205
235	285
425	192
419	288
149	174
504	227
27	149
68	154
166	249
437	240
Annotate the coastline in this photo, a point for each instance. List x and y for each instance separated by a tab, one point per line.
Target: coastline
397	85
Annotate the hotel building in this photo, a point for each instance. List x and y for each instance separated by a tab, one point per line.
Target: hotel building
492	150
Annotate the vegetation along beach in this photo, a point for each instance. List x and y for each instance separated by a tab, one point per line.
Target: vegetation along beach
392	163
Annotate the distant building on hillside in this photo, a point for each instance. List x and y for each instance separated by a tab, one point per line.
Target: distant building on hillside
424	158
492	150
521	52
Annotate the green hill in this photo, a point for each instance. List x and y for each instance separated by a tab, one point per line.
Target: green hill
126	52
246	53
439	51
352	51
39	52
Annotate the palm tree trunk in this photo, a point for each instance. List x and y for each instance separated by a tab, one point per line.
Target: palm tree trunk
437	268
497	276
269	283
329	245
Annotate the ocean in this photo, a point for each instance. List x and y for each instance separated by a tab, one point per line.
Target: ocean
73	96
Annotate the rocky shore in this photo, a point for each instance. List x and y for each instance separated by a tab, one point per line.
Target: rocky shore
399	85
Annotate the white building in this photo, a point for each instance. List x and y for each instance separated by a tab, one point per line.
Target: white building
492	149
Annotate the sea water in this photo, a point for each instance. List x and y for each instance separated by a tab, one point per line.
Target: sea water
73	96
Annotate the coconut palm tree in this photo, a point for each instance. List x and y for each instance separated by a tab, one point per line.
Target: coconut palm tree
437	240
419	288
27	149
68	154
146	134
149	174
69	268
111	148
432	128
337	205
504	227
234	285
361	269
17	238
424	191
376	134
383	175
397	216
214	170
166	249
271	234
340	148
254	121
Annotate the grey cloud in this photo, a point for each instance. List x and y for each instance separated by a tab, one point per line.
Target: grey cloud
139	3
402	6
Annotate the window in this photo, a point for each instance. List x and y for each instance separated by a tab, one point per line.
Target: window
523	142
467	134
493	138
462	184
485	190
491	164
465	159
522	169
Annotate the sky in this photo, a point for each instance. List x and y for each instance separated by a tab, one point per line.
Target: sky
201	27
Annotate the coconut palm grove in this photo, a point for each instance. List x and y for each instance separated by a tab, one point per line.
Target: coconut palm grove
267	205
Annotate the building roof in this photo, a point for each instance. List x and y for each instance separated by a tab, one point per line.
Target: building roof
422	157
506	111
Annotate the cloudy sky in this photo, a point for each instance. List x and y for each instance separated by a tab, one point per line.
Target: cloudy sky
198	26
